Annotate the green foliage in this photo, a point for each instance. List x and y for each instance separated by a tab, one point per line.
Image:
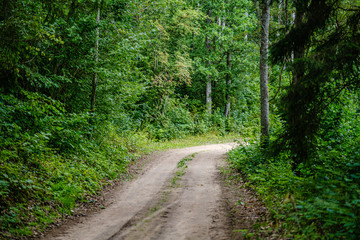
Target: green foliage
151	69
50	160
319	77
317	201
311	166
176	122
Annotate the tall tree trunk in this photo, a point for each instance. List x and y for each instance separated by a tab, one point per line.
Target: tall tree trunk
280	13
264	91
280	16
228	84
208	84
286	14
299	50
246	36
165	104
208	95
95	79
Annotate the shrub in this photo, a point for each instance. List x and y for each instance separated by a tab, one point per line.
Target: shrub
49	160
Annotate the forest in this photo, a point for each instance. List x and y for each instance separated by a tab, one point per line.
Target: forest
86	86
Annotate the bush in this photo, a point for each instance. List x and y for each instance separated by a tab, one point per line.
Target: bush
321	203
320	198
49	160
173	122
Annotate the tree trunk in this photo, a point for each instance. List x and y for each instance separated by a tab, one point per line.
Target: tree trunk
286	14
165	104
208	84
299	50
228	84
280	13
246	36
208	95
95	79
264	91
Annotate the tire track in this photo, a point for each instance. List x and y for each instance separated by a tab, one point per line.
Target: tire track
186	212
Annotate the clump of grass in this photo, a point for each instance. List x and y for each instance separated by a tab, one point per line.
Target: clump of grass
181	165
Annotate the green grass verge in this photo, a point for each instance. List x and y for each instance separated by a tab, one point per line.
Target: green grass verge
197	140
321	205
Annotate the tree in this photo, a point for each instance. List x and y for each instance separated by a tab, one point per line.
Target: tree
95	79
228	84
208	83
327	32
264	91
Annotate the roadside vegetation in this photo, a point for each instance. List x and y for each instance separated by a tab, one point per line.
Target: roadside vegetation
51	161
89	86
315	201
307	171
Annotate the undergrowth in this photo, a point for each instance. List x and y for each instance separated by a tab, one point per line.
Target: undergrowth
320	202
51	160
318	198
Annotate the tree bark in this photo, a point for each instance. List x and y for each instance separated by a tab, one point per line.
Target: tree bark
208	84
228	84
95	78
264	91
208	95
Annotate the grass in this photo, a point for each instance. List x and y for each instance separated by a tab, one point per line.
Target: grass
197	140
181	169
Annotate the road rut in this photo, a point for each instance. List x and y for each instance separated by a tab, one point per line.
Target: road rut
162	204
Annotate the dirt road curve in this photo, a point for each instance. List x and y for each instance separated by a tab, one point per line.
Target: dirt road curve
166	202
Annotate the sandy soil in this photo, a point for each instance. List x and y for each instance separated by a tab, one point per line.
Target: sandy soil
159	205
